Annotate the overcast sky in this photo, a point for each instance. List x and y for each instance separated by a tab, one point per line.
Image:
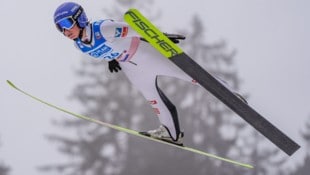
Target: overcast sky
271	36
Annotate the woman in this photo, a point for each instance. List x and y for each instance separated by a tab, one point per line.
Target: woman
117	43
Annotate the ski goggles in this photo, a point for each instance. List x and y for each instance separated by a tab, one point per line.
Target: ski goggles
66	23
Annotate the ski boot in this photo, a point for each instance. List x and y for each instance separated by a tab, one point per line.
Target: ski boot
162	133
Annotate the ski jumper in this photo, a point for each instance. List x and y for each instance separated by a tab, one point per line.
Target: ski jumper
141	63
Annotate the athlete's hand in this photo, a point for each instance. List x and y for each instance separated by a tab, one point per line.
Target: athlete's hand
114	66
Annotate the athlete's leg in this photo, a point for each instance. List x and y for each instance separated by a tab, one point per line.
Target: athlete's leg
142	73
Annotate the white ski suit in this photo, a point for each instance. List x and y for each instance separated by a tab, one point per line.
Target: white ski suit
141	63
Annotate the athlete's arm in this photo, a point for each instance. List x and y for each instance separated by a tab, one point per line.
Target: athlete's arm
115	29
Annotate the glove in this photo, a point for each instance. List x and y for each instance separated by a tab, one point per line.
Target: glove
175	37
114	66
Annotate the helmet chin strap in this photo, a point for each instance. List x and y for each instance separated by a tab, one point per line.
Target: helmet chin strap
81	33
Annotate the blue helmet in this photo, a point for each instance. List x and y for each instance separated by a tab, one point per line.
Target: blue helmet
68	14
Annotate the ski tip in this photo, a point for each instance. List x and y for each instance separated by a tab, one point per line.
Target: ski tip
11	84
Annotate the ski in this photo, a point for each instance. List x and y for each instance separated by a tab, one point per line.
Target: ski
130	131
174	53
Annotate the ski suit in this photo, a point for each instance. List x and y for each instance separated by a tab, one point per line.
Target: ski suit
141	63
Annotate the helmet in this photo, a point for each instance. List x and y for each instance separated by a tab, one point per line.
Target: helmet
68	14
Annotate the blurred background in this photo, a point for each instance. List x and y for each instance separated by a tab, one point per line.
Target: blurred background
260	47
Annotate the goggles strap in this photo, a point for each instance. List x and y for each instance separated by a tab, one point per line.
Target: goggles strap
78	13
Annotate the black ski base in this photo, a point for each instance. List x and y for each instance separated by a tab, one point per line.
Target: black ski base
233	102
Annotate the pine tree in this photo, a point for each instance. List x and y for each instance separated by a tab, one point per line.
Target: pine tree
4	170
305	168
